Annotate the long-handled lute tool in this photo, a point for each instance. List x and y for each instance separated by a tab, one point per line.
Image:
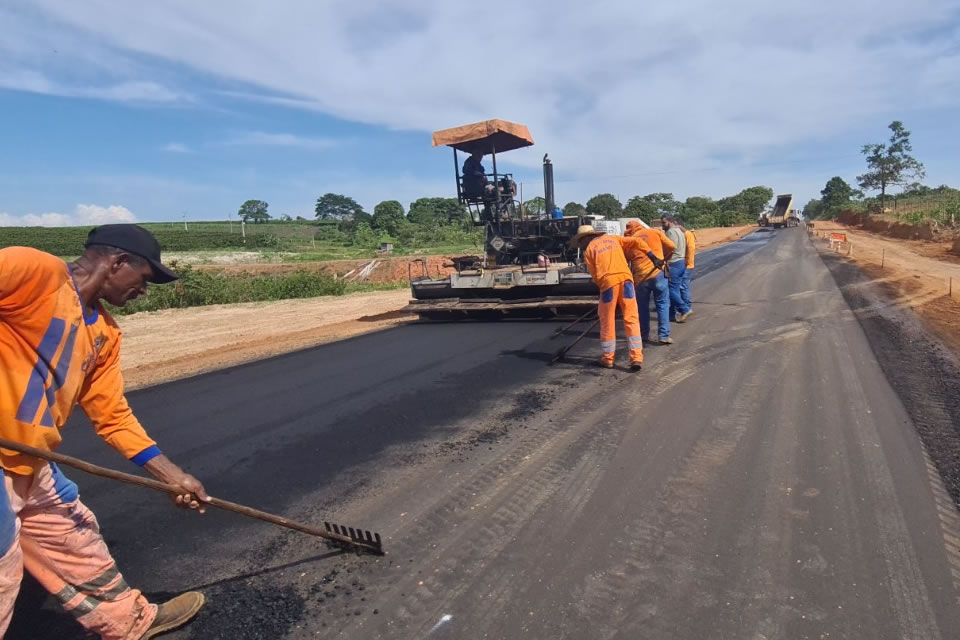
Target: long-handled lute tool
563	350
559	332
346	537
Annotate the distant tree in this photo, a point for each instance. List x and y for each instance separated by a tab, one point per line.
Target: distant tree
333	206
254	211
638	207
835	196
388	217
915	189
664	203
301	219
364	236
754	200
285	217
535	206
604	204
573	209
813	209
427	212
890	164
699	212
744	206
349	226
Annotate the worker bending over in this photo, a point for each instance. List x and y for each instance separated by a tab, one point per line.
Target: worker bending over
688	266
676	266
58	348
604	255
650	281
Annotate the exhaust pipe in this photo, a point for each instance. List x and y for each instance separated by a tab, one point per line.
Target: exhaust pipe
548	194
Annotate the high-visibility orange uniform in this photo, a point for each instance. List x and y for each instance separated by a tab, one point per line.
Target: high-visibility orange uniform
608	265
691	248
641	265
53	357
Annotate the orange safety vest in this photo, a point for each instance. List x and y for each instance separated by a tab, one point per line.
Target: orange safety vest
606	260
659	243
53	357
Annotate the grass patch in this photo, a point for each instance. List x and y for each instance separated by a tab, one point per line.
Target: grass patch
199	288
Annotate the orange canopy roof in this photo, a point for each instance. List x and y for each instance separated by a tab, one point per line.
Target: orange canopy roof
485	137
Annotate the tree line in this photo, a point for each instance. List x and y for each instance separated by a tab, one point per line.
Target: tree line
889	164
343	218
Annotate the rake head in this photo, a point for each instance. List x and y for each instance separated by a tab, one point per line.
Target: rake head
358	539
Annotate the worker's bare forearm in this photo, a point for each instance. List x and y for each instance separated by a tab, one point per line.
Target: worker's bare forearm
162	468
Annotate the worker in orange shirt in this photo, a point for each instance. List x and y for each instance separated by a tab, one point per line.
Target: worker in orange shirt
604	255
688	273
58	348
650	280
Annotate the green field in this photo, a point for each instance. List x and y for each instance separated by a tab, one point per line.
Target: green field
297	241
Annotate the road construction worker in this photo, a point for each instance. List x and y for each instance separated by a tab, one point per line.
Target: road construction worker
650	280
676	266
58	348
688	263
608	266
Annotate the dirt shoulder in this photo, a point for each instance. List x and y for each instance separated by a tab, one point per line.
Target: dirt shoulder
913	274
160	346
916	345
713	236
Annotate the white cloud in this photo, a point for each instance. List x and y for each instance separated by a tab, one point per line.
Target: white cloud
177	147
83	214
93	214
258	138
35	220
618	88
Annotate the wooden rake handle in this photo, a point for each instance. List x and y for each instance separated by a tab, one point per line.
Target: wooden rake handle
349	537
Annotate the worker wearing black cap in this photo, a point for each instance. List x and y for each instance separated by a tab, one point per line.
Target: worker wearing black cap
59	347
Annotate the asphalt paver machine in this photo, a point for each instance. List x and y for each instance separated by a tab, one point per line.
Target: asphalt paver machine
527	268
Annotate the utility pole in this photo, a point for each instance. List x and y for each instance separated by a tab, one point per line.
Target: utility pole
184	220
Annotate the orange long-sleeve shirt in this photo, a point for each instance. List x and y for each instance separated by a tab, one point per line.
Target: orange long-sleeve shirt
662	247
53	357
691	248
606	260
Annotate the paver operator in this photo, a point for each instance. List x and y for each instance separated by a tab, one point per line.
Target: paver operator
650	280
604	255
59	348
676	266
689	263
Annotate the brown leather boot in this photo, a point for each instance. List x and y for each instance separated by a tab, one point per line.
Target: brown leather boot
174	613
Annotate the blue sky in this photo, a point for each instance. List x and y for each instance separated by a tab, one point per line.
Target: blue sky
132	111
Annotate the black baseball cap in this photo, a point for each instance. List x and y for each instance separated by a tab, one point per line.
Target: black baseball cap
136	240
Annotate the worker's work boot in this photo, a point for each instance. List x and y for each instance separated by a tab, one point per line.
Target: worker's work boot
174	613
606	364
685	316
667	340
635	365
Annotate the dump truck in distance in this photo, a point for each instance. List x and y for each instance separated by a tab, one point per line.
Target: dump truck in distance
783	214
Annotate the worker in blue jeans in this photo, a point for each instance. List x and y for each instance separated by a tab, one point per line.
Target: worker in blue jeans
658	288
650	281
676	268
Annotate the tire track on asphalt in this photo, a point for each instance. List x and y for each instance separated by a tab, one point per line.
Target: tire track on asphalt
905	582
655	551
